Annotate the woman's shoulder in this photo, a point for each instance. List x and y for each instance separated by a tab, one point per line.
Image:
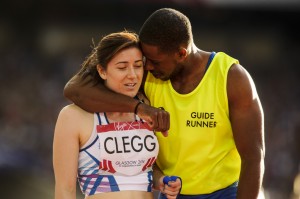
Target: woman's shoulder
74	118
72	110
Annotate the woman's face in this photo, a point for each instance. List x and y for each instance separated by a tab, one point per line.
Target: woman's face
124	73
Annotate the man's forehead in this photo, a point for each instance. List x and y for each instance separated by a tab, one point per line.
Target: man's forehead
148	47
152	52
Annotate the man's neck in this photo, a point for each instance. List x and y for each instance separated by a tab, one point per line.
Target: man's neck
192	71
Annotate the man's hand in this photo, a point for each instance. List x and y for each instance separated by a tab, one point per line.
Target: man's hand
158	119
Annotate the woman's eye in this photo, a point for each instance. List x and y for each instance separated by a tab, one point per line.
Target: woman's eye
138	65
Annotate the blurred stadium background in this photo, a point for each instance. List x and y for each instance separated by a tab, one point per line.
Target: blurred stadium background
43	43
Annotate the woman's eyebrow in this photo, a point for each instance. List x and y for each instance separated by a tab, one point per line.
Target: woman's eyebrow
124	62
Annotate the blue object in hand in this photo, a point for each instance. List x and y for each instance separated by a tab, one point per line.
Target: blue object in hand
167	179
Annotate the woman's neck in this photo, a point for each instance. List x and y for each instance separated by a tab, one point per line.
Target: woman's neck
120	117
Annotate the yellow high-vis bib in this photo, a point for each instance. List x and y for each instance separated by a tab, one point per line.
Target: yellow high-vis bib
200	147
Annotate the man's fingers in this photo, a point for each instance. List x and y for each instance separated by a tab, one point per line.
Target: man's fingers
163	120
165	133
157	118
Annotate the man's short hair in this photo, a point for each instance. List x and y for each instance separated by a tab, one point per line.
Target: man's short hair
168	29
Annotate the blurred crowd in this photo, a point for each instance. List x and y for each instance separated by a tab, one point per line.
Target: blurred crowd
37	59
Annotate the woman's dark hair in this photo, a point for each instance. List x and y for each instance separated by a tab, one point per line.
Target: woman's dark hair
106	49
168	29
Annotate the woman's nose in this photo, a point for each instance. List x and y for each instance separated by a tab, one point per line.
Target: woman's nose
131	72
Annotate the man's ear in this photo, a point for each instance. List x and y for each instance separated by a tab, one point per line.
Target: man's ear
101	71
182	53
